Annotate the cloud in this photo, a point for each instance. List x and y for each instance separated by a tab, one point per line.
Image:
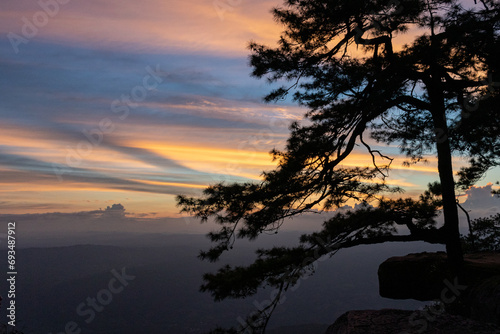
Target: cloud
154	25
71	175
204	123
115	210
481	202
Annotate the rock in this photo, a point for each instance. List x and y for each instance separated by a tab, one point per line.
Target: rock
480	266
484	301
298	329
390	321
422	276
418	276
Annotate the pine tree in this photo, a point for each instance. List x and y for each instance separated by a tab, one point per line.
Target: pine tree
341	59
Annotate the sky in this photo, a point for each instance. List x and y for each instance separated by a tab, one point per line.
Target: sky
131	103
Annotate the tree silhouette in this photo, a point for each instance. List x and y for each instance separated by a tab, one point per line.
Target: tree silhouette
487	232
341	60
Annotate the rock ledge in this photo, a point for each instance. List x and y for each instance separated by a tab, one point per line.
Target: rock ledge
421	276
391	321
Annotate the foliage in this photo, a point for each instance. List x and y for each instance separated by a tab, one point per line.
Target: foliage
486	232
339	59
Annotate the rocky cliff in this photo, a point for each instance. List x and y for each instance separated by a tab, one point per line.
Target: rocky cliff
470	304
390	321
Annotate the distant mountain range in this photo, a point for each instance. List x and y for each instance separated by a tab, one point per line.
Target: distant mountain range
90	287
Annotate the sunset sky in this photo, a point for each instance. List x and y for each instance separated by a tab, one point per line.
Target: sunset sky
134	102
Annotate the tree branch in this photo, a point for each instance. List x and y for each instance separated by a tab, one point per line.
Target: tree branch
374	159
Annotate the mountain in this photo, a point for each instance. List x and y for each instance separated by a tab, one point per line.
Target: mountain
78	286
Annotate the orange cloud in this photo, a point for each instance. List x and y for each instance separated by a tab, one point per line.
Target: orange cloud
236	162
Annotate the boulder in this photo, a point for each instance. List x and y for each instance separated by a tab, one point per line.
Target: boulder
418	276
425	276
390	321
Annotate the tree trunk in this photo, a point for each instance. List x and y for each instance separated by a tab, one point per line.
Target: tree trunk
445	168
450	211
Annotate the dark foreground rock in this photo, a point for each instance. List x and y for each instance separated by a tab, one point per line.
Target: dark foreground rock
427	276
389	321
483	301
299	329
